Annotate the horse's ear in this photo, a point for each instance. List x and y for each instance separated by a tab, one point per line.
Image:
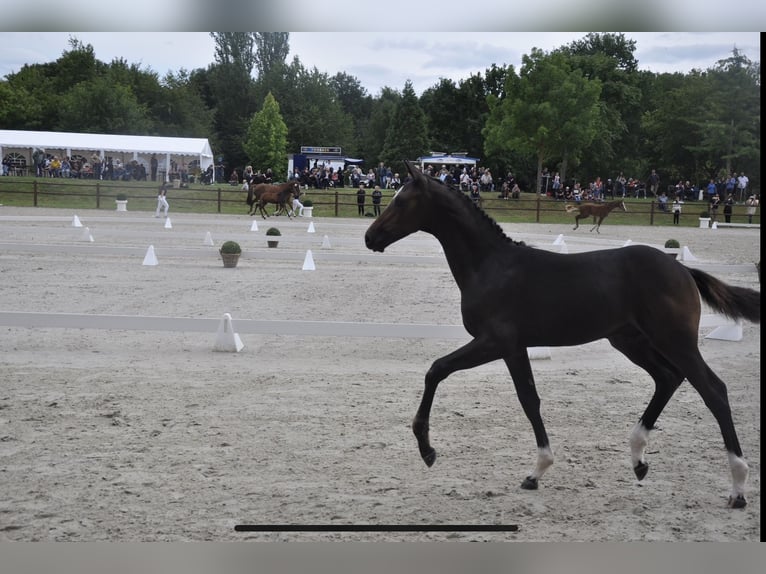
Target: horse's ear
414	172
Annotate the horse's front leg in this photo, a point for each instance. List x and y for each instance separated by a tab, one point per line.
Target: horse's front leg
473	354
577	223
524	382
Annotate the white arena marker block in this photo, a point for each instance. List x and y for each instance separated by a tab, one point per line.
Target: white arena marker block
150	258
168	225
86	236
686	255
538	353
227	340
254	226
311	228
326	243
714	226
731	332
76	222
208	239
559	240
628	242
563	248
308	262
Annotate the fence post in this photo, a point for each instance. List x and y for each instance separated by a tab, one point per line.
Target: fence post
98	195
651	213
219	200
336	204
34	193
537	210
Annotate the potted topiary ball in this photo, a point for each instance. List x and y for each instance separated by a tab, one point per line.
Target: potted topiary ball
704	219
273	232
672	243
308	208
230	252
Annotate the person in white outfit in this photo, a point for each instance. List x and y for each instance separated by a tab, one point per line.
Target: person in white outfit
297	206
162	202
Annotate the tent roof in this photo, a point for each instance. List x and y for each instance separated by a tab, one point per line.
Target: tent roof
106	142
448	159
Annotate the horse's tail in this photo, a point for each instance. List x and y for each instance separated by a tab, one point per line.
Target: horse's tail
572	209
734	302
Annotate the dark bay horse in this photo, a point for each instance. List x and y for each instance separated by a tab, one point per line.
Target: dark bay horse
599	211
279	194
510	301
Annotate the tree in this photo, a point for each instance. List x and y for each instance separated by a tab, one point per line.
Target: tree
549	110
266	140
235	49
233	92
181	110
609	58
407	135
374	136
271	51
101	106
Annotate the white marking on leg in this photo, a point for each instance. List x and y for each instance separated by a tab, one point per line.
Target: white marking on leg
544	460
739	472
638	440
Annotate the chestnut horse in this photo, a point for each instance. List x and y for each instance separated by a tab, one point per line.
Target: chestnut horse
597	210
279	194
510	300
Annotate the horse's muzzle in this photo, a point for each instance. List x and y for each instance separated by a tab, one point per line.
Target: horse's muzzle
369	241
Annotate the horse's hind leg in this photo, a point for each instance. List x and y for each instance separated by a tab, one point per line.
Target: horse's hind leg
667	379
713	393
523	380
687	360
598	225
476	352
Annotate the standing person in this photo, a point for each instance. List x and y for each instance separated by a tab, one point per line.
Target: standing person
297	206
153	167
162	202
475	194
742	182
752	205
677	203
360	196
654	183
621	181
728	206
715	201
247	178
377	195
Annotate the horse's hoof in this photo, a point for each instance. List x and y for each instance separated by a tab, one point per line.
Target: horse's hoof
641	469
429	457
530	483
738	501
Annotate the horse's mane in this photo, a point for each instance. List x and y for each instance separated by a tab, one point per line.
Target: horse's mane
483	216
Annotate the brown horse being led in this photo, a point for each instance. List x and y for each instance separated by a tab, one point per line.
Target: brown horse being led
511	300
599	211
279	194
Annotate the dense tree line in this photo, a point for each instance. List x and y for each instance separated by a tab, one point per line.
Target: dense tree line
584	110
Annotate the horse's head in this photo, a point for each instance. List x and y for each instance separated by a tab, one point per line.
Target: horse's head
408	212
296	189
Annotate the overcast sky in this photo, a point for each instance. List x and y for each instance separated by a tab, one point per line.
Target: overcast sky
378	59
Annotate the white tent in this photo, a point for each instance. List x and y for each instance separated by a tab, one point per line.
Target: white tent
183	151
447	159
